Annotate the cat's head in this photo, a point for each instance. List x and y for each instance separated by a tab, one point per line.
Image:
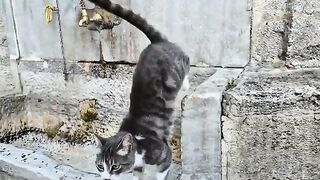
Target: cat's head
116	154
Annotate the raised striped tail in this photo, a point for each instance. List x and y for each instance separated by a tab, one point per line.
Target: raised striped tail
134	19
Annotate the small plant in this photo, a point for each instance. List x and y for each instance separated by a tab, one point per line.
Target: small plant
231	84
88	111
51	125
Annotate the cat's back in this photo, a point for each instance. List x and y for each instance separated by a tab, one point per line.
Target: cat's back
164	51
160	61
158	77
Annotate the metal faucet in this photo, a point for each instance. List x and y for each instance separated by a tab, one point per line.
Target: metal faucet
97	19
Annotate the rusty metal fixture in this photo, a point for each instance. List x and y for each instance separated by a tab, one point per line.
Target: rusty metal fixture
48	12
84	21
102	19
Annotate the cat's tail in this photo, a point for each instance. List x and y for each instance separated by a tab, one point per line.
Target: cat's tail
134	19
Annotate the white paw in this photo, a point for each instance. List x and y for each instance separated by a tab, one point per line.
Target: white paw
162	175
185	84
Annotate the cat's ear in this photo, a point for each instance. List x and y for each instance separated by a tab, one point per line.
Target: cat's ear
100	141
126	145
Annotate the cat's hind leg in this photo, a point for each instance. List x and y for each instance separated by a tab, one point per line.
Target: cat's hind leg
164	167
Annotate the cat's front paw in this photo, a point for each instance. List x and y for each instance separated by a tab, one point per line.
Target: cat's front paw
185	84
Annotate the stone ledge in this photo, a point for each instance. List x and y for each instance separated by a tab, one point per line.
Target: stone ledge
271	126
55	148
34	165
274	90
201	128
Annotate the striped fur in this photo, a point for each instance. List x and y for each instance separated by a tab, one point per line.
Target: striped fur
158	77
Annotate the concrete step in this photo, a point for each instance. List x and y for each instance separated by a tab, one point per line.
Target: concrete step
271	125
201	128
72	160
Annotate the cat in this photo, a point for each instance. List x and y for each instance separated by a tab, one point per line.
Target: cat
143	135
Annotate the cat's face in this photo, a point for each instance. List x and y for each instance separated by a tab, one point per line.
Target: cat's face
116	156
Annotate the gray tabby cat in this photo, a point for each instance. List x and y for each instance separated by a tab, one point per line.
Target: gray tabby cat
158	77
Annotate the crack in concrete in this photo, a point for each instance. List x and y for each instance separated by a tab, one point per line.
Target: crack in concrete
65	70
3	42
251	32
288	19
15	30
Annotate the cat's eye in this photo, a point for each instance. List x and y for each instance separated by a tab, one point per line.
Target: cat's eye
115	167
100	167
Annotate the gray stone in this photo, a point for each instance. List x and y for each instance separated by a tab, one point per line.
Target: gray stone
106	85
7	76
36	166
201	129
5	176
278	146
3	39
267	28
274	90
12	115
109	86
269	125
8	29
270	119
304	47
7	85
11	104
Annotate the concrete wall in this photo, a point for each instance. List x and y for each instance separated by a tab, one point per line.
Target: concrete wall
50	90
3	40
271	118
212	32
270	121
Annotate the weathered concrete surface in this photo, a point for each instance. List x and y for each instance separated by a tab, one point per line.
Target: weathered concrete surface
304	39
270	119
274	90
7	84
79	43
11	105
201	128
51	93
284	33
108	86
212	32
60	107
270	126
11	40
6	176
34	165
267	29
3	39
7	76
35	38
